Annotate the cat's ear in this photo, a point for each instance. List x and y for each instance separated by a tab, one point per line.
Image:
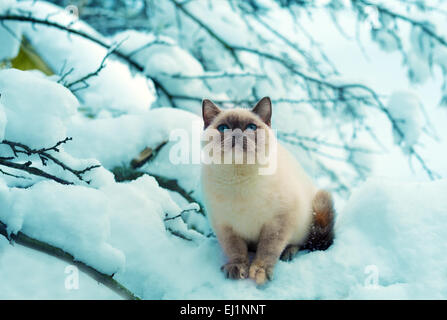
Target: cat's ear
264	110
209	111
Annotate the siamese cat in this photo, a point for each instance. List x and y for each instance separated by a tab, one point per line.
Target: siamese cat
277	213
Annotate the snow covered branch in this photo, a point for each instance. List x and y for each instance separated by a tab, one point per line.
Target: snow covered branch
46	22
107	280
210	31
423	25
72	85
128	174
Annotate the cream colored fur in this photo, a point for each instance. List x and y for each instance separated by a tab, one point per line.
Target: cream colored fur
273	212
237	196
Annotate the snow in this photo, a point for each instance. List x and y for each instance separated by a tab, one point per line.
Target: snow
163	60
97	227
7	5
55	102
115	88
385	39
9	33
98	138
39	212
401	229
80	219
418	69
28	274
381	226
3	121
405	108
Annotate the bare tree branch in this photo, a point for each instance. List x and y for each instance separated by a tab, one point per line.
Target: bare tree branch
33	170
83	80
424	26
44	155
210	31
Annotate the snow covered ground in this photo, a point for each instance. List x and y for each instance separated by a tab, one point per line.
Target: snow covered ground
28	274
390	233
390	244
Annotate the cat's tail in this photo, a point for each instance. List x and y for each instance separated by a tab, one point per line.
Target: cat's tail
321	234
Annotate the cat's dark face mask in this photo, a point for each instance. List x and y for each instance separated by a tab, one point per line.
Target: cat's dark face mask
241	133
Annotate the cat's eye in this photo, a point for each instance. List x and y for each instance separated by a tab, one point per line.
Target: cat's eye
223	127
251	126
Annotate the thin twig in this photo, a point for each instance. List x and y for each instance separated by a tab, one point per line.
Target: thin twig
44	155
95	73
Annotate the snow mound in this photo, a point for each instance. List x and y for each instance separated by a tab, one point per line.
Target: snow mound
114	228
39	119
399	226
72	218
36	118
116	141
25	272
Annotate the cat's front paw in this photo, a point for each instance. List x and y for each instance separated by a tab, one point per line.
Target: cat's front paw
235	270
260	272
